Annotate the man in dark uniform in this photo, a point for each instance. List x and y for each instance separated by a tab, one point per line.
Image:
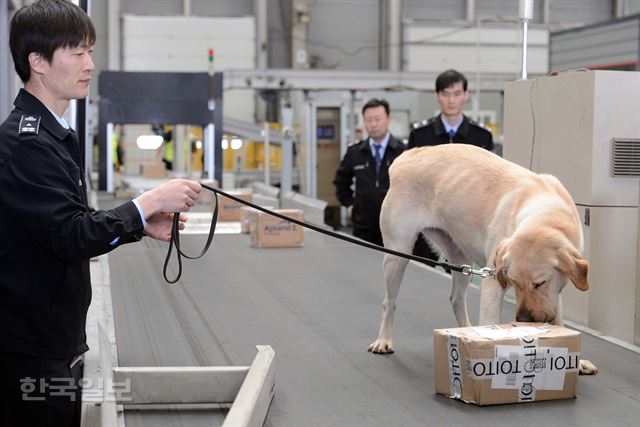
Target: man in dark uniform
368	162
450	126
48	231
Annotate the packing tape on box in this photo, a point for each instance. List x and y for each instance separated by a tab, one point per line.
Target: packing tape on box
455	373
526	368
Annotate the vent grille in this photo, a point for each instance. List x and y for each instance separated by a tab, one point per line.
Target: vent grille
626	157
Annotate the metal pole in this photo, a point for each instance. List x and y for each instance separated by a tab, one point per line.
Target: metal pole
113	35
311	186
394	28
475	102
287	151
5	96
110	130
267	155
523	75
209	152
525	13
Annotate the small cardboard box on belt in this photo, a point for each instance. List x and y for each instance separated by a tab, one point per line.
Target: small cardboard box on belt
249	215
511	363
268	231
230	210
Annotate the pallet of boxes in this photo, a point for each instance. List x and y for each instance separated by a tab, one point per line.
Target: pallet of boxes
512	363
269	231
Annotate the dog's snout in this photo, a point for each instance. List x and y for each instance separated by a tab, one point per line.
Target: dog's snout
524	317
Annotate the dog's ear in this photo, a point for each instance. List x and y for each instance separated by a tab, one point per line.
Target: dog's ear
575	268
500	263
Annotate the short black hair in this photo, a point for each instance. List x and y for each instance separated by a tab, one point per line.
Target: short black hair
375	102
448	78
44	26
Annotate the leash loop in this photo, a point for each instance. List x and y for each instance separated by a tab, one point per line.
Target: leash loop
175	240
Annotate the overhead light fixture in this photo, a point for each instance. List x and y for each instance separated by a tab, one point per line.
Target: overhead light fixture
198	144
149	142
225	144
236	143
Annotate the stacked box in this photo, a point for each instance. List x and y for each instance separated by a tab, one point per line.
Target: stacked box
518	362
153	170
268	231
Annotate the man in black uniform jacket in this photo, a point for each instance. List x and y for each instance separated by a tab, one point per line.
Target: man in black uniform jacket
48	231
450	126
368	162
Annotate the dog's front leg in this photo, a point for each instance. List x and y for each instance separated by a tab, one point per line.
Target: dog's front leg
458	298
393	271
586	367
491	297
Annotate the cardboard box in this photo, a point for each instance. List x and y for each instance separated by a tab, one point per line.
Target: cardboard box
153	170
268	231
230	210
519	362
248	216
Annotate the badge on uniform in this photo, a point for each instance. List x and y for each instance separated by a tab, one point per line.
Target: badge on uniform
29	123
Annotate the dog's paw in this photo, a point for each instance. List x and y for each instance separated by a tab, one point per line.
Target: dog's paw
380	346
587	368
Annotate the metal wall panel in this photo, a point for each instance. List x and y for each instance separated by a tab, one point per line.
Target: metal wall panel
344	34
435	10
584	11
600	45
225	8
505	8
146	7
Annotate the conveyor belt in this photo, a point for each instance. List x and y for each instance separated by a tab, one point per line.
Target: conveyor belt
319	308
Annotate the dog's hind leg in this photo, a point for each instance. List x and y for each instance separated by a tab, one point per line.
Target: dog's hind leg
394	268
399	233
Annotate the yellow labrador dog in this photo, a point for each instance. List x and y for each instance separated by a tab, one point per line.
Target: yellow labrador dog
477	207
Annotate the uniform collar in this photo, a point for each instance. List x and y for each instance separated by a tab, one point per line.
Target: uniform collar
383	144
463	128
29	104
391	142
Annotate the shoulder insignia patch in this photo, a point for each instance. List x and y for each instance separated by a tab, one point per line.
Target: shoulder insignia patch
422	123
29	124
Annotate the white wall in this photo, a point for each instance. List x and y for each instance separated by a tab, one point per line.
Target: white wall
489	49
181	44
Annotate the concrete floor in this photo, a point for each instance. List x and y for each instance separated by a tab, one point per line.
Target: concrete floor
319	308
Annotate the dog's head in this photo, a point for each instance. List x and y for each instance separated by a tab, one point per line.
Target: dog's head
537	263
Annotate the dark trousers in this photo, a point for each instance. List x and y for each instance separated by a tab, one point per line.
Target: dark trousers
36	391
371	234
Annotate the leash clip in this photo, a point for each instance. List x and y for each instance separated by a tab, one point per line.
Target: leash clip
467	270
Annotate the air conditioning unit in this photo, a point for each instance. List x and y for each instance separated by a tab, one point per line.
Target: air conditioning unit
584	128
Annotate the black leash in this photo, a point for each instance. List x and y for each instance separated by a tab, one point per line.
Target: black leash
175	241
